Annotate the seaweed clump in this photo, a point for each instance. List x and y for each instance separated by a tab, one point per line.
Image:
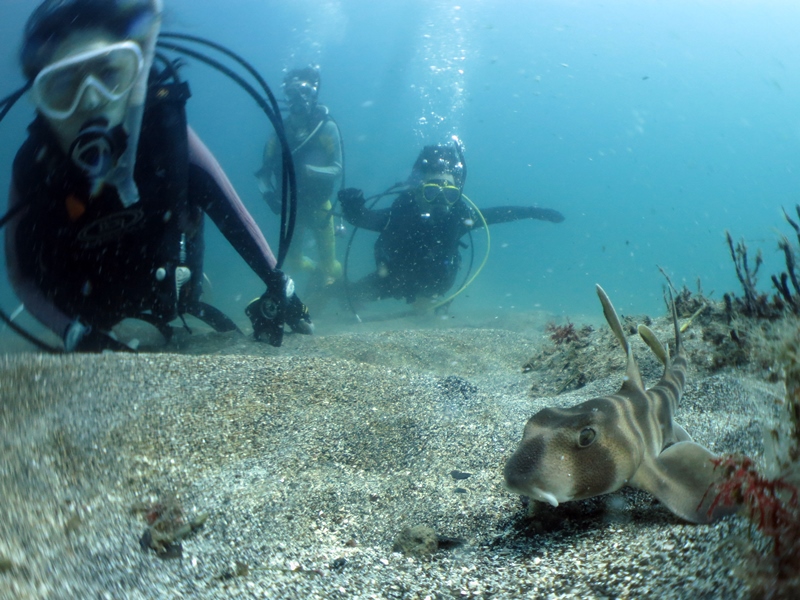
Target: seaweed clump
771	498
772	506
781	282
568	334
167	526
745	329
758	304
571	361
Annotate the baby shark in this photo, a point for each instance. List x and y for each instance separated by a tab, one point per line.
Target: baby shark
628	438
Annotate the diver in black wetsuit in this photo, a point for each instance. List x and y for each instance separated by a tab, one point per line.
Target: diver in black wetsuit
417	252
110	188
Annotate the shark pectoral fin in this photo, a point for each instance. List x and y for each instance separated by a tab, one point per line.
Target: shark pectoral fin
682	477
680	433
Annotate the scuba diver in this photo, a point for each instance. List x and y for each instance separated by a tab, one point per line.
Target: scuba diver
316	145
417	252
109	190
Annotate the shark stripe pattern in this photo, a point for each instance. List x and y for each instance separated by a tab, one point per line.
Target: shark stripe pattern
628	438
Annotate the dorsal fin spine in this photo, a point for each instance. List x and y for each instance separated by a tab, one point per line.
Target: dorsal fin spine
675	324
634	378
654	344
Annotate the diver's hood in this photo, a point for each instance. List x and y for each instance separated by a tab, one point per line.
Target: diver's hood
121	176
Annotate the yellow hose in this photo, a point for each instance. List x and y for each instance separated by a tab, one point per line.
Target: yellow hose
485	256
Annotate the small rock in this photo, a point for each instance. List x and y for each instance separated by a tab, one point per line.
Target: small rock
72	525
237	569
457	475
419	540
5	564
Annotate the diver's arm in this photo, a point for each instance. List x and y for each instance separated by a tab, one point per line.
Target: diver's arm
268	172
24	286
332	169
356	213
211	189
505	214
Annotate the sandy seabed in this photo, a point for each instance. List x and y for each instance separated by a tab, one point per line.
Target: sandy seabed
309	460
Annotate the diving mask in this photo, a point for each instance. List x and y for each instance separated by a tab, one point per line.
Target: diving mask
300	91
111	71
431	191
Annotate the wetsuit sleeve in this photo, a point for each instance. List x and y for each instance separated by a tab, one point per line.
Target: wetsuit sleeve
269	173
331	139
211	189
505	214
28	292
356	213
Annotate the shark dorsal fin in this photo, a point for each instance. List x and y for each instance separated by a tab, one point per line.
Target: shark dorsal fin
675	324
632	375
654	344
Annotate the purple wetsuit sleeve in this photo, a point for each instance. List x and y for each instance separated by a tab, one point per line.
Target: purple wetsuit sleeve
213	192
31	296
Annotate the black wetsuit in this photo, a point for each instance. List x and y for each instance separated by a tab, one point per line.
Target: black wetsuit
418	255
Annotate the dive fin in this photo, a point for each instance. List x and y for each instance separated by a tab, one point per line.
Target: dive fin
211	316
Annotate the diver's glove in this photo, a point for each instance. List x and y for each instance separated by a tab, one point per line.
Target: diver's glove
279	305
352	201
547	214
85	338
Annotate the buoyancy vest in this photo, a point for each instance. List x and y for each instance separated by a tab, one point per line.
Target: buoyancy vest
95	259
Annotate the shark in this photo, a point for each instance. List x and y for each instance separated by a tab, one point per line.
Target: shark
625	439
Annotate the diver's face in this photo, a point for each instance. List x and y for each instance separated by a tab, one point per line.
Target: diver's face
437	193
86	83
301	96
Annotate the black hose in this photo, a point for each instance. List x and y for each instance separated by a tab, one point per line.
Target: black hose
9	101
289	182
28	336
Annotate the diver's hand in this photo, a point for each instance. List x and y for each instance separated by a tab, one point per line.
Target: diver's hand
273	200
297	316
547	214
279	305
352	201
84	338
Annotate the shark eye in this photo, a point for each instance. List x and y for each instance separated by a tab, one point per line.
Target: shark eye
586	437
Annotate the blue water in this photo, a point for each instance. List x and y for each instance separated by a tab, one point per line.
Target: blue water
653	126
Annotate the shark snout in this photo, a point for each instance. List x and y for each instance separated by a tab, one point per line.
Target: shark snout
522	470
536	494
529	472
523	464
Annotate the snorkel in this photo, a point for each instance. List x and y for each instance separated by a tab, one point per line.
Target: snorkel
121	176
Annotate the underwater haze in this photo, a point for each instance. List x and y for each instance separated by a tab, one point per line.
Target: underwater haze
654	127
